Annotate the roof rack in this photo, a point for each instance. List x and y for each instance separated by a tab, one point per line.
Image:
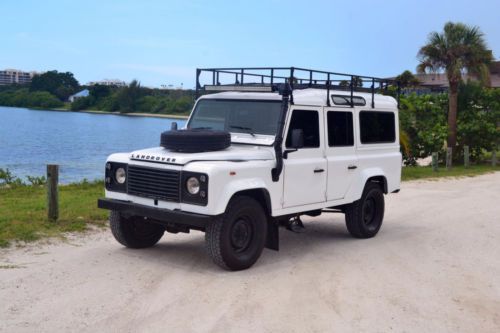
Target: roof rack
279	79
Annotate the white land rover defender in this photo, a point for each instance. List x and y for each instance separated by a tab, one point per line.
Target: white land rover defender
257	154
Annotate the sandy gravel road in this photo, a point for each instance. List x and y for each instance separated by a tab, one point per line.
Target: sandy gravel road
434	267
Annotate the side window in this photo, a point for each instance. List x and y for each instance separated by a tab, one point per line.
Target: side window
377	127
340	129
308	121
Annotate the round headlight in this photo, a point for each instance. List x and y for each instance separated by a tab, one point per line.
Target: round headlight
120	175
193	185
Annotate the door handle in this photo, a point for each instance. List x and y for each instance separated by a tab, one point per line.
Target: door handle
352	167
318	170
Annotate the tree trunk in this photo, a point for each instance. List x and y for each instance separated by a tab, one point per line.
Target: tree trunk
452	115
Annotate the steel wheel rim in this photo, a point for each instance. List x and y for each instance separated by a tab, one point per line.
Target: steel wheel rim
241	235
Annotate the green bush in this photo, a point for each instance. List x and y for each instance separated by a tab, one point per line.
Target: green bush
108	103
82	103
24	98
43	99
56	83
478	119
7	178
135	98
36	180
148	104
424	119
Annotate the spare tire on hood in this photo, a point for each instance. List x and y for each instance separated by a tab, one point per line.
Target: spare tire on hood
195	140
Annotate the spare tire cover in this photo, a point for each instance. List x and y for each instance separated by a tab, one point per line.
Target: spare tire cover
195	140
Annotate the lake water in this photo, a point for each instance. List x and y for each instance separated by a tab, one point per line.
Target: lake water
78	142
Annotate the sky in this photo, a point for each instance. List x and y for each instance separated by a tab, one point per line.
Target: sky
163	42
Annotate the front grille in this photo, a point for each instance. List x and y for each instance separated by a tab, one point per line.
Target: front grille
153	183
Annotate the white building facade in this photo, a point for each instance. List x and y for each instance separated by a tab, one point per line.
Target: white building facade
108	82
15	76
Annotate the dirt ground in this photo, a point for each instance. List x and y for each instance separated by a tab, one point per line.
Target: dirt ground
434	267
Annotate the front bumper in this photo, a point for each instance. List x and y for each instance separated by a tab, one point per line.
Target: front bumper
164	216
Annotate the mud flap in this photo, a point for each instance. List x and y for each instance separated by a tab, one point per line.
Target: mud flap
273	240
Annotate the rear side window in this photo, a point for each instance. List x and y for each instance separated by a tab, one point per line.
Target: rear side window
308	121
340	129
377	127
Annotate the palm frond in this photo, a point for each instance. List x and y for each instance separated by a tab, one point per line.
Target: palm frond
457	49
404	141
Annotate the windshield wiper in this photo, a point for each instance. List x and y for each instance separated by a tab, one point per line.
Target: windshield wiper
201	128
250	131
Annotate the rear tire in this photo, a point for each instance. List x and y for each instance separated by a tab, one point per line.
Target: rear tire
235	239
364	217
134	232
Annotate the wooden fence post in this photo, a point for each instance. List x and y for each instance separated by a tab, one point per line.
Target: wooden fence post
466	156
449	156
494	158
434	161
52	192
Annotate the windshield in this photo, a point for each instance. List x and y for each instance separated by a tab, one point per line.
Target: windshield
240	116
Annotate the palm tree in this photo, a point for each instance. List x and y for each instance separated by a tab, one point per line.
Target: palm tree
344	84
356	82
404	141
459	48
407	79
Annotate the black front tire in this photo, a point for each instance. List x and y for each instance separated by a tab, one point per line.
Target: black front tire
134	232
235	239
364	217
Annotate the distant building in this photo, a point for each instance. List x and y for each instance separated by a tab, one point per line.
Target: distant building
171	87
15	76
438	82
80	94
108	82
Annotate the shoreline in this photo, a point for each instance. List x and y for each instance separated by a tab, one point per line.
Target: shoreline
131	114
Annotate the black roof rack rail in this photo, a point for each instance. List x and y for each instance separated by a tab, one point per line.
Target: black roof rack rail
284	80
272	79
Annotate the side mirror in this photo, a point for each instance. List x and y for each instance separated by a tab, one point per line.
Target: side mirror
297	138
173	126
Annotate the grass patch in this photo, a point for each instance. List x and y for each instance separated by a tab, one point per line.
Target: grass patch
23	214
412	173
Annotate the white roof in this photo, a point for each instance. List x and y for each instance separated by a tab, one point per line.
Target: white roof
308	96
83	93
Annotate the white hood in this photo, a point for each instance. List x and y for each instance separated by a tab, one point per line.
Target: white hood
233	153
